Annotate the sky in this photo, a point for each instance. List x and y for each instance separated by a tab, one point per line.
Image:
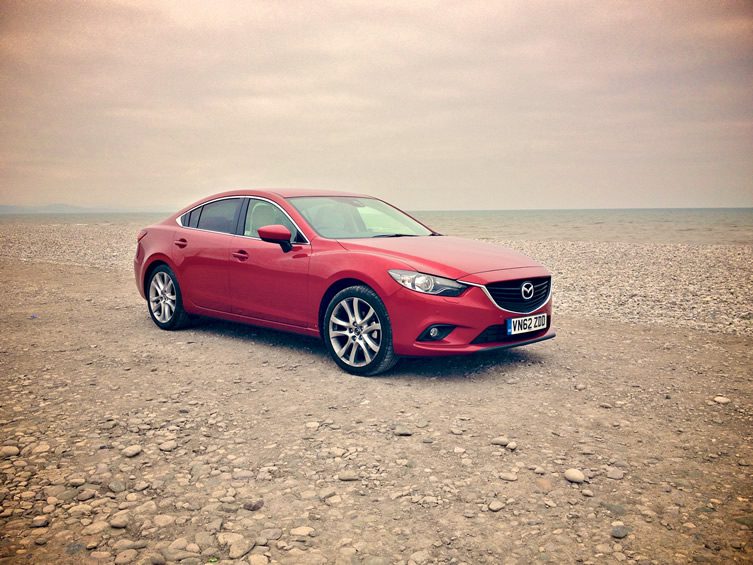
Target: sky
431	105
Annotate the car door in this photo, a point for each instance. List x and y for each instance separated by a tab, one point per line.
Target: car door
266	282
202	253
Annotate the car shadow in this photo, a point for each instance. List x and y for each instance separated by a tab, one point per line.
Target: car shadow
493	363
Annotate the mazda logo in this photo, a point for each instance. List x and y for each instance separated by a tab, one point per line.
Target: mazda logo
526	290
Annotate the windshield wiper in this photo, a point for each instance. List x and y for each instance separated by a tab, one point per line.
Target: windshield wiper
395	235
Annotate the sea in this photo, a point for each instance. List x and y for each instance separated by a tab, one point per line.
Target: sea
681	225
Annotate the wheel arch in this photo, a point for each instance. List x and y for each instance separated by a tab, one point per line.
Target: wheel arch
332	290
150	265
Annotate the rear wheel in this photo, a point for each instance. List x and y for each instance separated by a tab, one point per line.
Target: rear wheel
357	332
164	299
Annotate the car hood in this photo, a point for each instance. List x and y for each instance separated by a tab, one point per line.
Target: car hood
447	256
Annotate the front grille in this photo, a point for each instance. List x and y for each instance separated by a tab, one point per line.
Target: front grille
498	334
507	294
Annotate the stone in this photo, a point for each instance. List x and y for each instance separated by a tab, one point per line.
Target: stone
575	476
496	505
169	445
240	548
512	446
302	532
502	440
419	557
615	473
620	532
95	528
9	451
347	475
402	431
127	556
508	477
131	451
258	559
40	521
271	533
722	400
228	538
254	505
588	493
163	520
116	486
86	494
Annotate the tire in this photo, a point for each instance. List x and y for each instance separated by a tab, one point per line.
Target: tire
164	300
357	332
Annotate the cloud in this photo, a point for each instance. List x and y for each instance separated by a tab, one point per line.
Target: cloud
472	105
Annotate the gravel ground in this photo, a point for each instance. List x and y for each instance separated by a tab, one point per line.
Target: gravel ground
617	441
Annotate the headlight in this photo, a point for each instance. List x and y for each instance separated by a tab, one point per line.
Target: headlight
428	284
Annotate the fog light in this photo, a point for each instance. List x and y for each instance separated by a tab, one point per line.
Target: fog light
436	332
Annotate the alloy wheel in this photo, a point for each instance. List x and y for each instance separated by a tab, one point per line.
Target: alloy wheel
162	297
355	331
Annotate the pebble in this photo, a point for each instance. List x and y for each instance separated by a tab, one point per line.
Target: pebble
347	475
258	559
127	556
254	505
722	400
239	548
501	440
619	532
40	521
402	431
615	473
169	445
512	446
508	476
575	476
496	505
119	521
9	451
302	531
131	451
163	520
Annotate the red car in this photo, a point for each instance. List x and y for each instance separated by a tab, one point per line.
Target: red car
372	281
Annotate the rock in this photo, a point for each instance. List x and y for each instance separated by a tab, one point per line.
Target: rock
347	475
254	505
502	440
508	477
40	521
228	538
419	557
179	543
615	473
177	554
619	532
575	476
722	400
127	556
169	445
402	431
496	505
258	559
302	532
95	528
544	485
9	451
588	493
131	451
512	446
116	486
240	548
100	555
163	520
271	533
86	494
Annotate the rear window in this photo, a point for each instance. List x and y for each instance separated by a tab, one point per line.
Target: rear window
220	215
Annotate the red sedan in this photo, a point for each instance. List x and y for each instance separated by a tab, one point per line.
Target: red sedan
372	281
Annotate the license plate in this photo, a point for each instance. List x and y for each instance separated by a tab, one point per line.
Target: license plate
525	325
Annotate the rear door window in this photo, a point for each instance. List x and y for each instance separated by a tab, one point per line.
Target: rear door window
219	216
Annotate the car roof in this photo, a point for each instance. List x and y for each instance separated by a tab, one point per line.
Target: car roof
286	192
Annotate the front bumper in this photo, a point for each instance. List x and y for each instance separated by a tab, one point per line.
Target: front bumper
473	314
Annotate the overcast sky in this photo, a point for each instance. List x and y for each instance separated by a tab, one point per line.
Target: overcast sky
444	105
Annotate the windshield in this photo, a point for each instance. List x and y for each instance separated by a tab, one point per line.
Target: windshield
347	217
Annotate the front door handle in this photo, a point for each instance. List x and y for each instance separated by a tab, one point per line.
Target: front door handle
240	255
181	242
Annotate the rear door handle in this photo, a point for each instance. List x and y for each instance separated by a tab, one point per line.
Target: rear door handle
181	242
240	255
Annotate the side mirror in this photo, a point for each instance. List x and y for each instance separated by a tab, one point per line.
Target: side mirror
277	234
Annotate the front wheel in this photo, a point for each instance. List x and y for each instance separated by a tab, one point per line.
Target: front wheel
164	299
357	332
